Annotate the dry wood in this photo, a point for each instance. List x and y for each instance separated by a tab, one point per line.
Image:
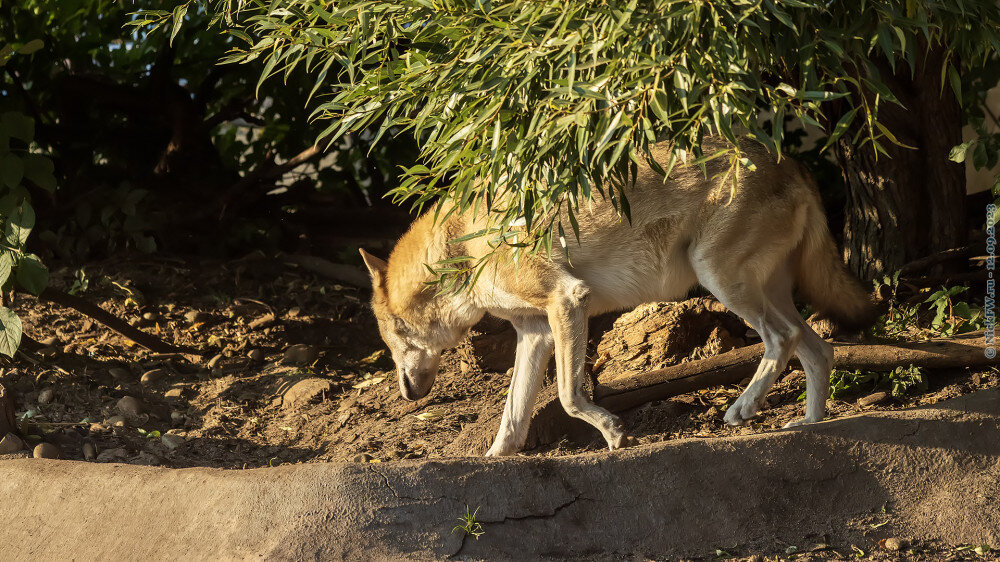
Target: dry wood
87	308
550	422
734	366
927	262
339	272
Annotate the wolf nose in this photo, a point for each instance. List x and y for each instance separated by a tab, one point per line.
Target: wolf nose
407	390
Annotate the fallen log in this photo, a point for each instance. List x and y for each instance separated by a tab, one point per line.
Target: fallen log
342	273
550	422
733	366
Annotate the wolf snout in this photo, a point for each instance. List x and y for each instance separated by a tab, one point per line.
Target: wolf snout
409	390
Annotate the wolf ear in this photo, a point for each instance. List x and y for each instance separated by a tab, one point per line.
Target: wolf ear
376	267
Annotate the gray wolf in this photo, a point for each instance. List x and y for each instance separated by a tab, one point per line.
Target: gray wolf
749	246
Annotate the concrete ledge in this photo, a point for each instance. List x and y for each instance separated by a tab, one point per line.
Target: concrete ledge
937	469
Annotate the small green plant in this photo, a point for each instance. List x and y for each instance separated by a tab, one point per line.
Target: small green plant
948	316
900	317
469	525
899	381
953	317
80	282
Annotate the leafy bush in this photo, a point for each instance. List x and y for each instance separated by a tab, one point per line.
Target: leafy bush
22	168
529	108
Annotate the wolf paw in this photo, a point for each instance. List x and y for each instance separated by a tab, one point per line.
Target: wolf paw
502	448
741	411
622	441
803	421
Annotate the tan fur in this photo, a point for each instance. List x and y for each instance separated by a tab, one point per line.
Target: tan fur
748	246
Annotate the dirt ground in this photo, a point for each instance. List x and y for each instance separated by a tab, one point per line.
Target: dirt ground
293	371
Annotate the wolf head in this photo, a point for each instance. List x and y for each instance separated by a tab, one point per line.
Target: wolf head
411	327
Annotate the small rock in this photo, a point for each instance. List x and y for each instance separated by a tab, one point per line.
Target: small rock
293	312
50	341
197	317
305	391
793	376
261	322
872	399
120	374
895	544
131	407
214	361
89	451
362	457
10	444
171	441
300	354
153	376
174	394
46	396
45	451
256	355
148	459
112	455
150	316
177	417
116	421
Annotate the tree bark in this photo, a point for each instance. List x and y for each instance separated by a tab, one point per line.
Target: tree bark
911	204
8	408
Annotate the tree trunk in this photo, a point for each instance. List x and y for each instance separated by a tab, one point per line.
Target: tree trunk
8	417
911	204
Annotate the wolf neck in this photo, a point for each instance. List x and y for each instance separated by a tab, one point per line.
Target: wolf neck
426	244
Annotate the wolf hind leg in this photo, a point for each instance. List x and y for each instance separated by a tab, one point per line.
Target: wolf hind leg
742	293
815	354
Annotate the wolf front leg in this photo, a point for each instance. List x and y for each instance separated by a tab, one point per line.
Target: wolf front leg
567	312
534	347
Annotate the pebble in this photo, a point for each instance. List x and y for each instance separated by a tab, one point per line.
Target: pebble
112	455
256	355
895	544
116	421
305	391
131	407
46	396
174	394
150	316
171	441
300	354
120	374
153	376
10	444
45	451
872	399
177	417
197	317
89	451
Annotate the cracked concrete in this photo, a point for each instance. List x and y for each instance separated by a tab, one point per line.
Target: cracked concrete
937	470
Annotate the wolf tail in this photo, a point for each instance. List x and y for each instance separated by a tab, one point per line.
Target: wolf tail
825	281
